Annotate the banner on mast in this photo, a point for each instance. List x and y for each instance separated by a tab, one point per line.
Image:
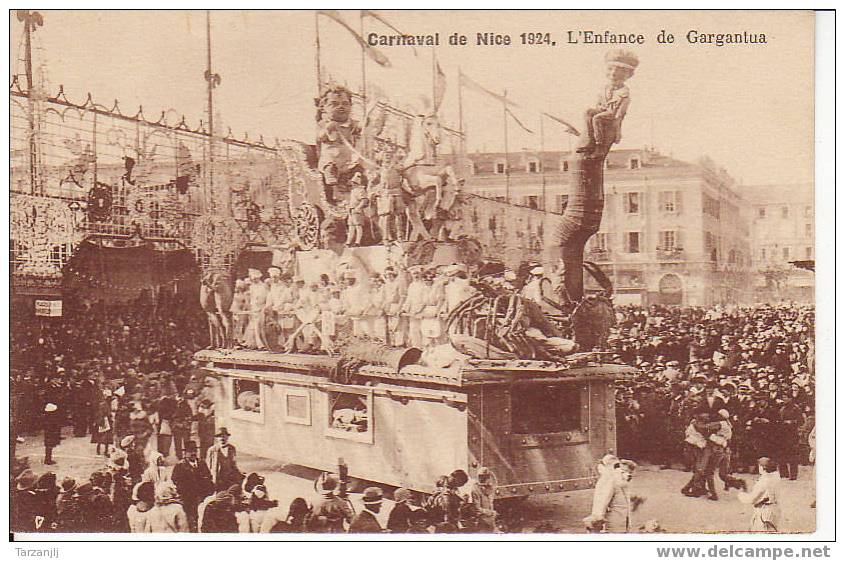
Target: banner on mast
373	53
471	84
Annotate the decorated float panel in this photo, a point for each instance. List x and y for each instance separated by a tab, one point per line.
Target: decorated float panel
538	425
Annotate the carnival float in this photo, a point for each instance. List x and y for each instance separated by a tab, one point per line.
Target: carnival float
519	384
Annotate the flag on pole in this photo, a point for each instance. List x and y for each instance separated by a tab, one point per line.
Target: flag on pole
468	82
439	85
378	17
374	54
518	122
569	128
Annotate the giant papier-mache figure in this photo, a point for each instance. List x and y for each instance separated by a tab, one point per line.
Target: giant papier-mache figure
603	123
582	217
337	138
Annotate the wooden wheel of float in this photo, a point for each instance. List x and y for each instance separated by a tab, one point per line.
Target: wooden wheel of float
306	222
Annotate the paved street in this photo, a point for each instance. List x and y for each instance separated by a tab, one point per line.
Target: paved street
548	513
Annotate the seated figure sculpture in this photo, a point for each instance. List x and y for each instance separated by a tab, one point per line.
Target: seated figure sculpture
338	135
603	123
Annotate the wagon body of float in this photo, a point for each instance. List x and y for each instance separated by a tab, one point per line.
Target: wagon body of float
539	426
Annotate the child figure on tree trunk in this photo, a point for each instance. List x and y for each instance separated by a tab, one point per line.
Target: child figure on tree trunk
604	121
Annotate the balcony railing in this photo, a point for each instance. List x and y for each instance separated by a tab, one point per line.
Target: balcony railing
670	253
598	255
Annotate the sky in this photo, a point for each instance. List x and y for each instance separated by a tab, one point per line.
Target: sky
748	107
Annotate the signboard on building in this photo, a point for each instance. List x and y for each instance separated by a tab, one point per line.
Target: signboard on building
48	308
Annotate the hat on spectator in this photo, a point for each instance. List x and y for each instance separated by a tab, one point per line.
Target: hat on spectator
373	495
274	272
50	407
68	484
26	480
222	431
254	274
401	495
117	460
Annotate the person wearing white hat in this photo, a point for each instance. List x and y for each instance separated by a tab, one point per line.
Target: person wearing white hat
254	337
52	431
393	293
415	301
356	300
279	305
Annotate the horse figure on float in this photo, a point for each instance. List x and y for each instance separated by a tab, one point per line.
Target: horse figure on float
434	185
216	297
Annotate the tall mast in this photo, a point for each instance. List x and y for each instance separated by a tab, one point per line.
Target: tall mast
213	81
363	81
507	152
433	81
542	167
31	21
317	52
461	112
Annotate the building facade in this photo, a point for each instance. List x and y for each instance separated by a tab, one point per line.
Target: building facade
672	232
782	219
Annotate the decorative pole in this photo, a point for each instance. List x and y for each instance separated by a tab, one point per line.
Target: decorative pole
461	111
363	81
31	21
542	167
317	52
507	162
213	81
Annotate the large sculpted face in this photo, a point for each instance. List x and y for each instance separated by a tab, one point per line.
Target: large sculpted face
338	106
617	74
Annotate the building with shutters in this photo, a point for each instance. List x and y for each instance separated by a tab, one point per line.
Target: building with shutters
672	232
782	219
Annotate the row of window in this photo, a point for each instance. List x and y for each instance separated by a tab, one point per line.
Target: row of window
669	201
785	253
537	409
784	212
632	203
668	241
534	165
348	415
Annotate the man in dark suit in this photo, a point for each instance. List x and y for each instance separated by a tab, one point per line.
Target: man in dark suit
365	522
193	482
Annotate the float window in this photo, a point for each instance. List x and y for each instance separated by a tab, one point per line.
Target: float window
543	409
350	415
246	395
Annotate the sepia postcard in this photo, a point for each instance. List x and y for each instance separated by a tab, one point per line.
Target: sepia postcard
491	274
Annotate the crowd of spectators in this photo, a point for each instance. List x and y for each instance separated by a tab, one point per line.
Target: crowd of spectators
757	363
124	374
